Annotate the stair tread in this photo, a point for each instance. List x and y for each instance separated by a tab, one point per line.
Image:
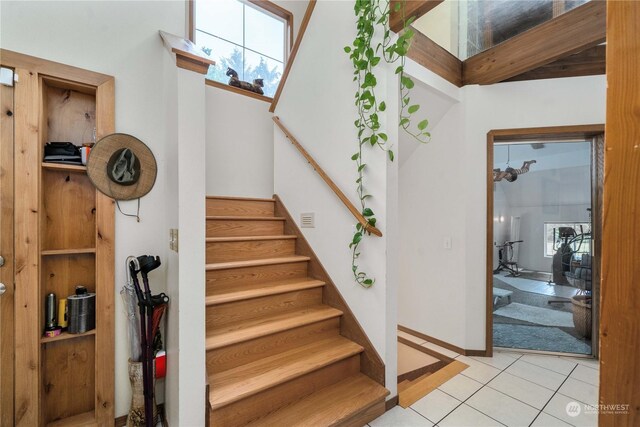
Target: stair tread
245	218
248	199
263	289
249	238
256	262
238	383
329	406
250	329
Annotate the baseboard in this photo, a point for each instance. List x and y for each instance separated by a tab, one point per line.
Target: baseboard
443	344
389	404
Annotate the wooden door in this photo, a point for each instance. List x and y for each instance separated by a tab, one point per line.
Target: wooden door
6	251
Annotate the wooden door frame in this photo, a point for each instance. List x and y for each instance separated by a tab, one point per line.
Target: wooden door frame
6	243
554	133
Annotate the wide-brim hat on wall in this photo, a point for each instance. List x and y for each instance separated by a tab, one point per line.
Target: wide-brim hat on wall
122	167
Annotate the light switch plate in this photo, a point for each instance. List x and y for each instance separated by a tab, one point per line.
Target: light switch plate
173	239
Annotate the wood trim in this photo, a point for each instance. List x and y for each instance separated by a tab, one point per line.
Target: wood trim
7	343
620	293
443	344
237	90
552	133
187	54
425	385
589	62
411	8
191	29
280	12
597	192
105	270
569	33
370	363
432	56
44	67
389	404
425	350
27	249
332	185
294	53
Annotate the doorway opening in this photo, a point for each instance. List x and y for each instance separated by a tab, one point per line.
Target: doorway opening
543	231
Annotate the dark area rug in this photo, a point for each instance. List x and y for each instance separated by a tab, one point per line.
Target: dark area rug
532	337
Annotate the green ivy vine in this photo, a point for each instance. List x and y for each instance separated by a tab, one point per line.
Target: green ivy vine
367	51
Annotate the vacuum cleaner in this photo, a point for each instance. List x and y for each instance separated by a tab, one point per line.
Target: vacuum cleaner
152	308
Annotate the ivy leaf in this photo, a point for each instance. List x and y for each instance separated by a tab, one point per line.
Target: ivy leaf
372	222
382	107
355	156
397	6
358	226
399	69
383	136
356	238
367	212
412	109
423	124
361	167
347	49
391	155
368	282
407	82
375	61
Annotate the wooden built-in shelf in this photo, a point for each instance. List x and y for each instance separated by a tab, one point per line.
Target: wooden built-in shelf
64	167
66	336
54	252
84	419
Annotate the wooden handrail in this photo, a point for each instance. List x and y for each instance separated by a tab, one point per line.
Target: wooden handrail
356	213
294	52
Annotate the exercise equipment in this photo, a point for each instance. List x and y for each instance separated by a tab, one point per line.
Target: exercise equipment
152	307
505	258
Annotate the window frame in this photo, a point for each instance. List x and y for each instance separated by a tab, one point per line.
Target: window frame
264	6
544	231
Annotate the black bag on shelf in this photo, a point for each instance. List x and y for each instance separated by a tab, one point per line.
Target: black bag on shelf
62	152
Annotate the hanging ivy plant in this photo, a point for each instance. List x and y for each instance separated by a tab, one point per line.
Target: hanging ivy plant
373	43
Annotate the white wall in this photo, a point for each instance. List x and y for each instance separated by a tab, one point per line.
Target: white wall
443	194
239	151
318	109
120	39
239	132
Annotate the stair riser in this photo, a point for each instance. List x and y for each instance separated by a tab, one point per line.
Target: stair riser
364	417
224	207
222	315
242	412
254	249
224	279
233	227
246	352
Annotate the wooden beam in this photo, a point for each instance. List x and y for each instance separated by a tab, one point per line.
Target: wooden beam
411	8
589	62
432	56
620	293
569	33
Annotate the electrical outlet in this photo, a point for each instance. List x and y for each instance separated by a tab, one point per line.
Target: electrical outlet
173	239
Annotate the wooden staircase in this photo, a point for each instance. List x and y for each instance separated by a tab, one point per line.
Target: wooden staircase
275	353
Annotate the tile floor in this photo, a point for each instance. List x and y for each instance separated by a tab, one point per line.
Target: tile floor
509	389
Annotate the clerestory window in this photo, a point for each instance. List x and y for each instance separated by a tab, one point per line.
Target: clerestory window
251	37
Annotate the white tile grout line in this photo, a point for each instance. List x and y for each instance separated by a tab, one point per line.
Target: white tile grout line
552	396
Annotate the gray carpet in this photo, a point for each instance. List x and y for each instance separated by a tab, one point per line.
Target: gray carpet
510	332
538	338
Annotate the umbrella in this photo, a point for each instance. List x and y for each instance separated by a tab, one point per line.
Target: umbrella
130	302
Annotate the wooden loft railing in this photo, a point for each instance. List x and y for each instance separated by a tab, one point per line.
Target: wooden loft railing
332	185
294	52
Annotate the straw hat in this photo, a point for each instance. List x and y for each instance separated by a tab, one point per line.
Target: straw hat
122	167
